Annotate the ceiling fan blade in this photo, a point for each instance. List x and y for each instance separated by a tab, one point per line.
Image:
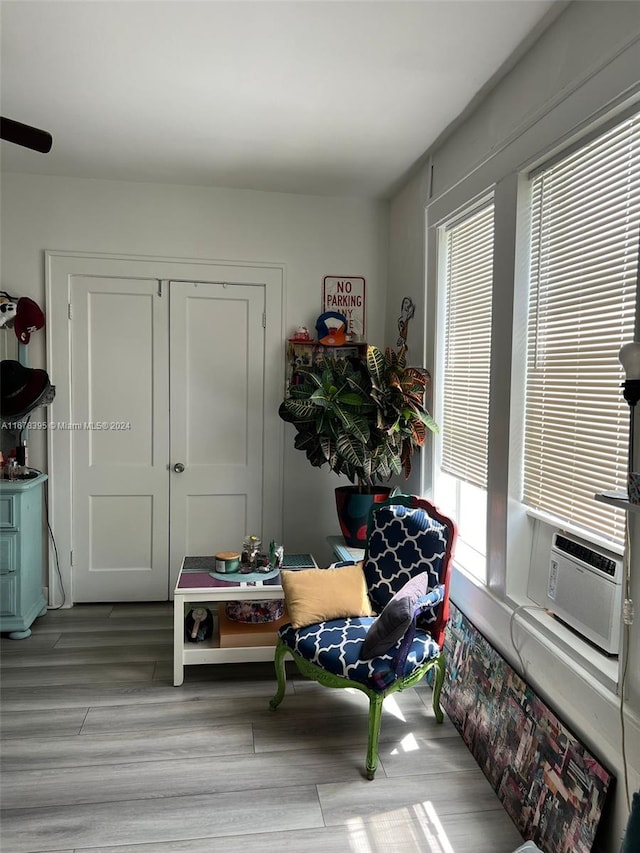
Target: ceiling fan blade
23	134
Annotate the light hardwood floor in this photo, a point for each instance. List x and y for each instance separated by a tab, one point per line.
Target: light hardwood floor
101	753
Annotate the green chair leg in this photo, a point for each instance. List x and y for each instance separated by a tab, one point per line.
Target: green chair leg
281	675
437	687
375	719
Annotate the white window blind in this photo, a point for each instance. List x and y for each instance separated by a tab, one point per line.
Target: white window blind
584	267
467	357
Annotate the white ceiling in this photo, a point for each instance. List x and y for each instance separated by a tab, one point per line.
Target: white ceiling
326	97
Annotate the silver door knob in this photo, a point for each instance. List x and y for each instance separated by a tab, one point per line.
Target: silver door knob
178	467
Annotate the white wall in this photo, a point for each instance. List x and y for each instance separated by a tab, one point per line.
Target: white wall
406	261
586	63
312	236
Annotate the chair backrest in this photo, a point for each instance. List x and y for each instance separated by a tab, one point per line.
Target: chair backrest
407	535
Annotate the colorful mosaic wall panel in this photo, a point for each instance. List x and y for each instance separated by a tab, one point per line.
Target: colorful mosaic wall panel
551	786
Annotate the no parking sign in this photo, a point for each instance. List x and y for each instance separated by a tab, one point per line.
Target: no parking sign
345	294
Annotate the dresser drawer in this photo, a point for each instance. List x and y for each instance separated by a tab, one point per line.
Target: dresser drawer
8	594
22	557
8	512
8	553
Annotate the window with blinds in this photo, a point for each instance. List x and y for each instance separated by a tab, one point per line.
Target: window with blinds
467	347
584	268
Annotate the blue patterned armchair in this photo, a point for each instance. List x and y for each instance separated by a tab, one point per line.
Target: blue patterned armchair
407	567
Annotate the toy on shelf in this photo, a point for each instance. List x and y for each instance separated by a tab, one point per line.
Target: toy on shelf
331	328
198	625
301	334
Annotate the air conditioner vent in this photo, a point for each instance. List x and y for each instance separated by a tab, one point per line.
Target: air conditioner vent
586	555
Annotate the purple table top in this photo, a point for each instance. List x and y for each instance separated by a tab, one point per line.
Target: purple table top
195	575
202	580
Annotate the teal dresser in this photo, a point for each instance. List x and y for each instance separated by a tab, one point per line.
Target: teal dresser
21	598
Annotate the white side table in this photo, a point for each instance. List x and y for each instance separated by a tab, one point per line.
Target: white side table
195	585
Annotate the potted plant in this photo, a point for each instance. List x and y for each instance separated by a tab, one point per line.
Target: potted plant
364	418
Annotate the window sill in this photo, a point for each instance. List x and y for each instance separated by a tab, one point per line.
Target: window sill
493	618
470	562
577	652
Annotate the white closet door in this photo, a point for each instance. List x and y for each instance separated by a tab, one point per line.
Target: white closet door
217	416
120	439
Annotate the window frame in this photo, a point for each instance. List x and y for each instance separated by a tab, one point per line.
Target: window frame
475	563
593	534
512	529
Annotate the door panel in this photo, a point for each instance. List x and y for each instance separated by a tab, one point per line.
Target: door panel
217	398
219	512
120	439
104	358
121	351
136	413
109	516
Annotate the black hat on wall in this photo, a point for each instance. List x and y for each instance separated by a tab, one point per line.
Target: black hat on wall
22	389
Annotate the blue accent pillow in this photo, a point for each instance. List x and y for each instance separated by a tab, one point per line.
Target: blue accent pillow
398	615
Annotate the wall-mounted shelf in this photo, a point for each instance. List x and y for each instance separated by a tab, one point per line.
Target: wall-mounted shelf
306	353
619	499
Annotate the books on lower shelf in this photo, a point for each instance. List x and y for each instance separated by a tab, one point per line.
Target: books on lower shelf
243	634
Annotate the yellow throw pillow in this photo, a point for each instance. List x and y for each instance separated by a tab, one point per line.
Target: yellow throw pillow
317	595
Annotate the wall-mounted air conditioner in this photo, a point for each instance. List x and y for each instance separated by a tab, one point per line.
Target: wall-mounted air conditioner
584	590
